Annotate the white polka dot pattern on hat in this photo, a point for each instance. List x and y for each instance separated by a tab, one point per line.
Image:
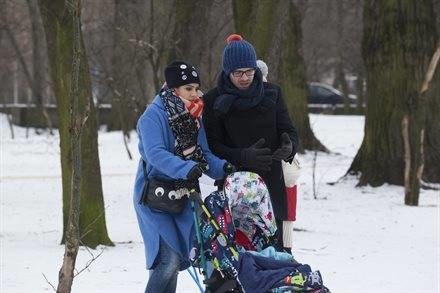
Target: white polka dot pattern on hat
179	73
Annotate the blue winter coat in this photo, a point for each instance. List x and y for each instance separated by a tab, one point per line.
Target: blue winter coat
156	147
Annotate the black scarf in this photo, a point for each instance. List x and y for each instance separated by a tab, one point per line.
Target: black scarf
184	127
233	98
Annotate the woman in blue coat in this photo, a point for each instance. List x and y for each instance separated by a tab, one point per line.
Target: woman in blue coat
173	149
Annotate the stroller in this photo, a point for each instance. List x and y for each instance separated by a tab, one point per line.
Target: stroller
235	236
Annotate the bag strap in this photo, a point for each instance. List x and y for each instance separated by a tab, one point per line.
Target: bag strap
144	169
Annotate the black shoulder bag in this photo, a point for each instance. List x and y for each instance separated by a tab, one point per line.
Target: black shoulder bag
165	196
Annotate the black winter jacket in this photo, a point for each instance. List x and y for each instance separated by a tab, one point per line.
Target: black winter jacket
229	133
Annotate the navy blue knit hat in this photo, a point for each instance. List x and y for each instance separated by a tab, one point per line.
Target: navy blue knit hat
238	53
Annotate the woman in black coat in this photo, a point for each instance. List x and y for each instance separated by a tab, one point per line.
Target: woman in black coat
247	122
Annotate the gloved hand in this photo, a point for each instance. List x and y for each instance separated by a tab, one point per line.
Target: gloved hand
285	149
196	172
256	157
229	168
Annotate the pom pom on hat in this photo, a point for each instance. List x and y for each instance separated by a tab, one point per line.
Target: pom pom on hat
238	53
233	37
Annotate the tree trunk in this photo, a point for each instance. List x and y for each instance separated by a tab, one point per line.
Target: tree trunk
273	27
159	41
341	83
8	117
59	40
431	170
191	20
77	119
198	39
413	132
361	92
128	77
413	136
2	92
37	63
399	40
340	80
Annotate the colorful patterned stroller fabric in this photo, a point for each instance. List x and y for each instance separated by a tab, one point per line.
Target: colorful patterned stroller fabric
251	272
251	210
219	249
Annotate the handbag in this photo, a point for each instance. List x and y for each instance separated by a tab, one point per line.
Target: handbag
166	196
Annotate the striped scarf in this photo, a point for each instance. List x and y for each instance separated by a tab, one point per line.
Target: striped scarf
195	107
185	128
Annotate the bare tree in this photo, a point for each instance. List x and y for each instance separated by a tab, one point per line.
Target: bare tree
128	73
59	32
199	39
413	133
15	51
340	75
396	53
2	28
78	117
38	66
159	42
30	57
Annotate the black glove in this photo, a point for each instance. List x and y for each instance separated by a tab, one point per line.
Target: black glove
196	172
285	149
256	157
229	168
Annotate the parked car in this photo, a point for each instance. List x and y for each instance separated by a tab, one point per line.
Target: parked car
321	93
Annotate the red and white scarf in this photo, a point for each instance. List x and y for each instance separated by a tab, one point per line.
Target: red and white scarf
195	108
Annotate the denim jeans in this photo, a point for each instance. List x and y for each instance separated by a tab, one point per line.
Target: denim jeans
163	277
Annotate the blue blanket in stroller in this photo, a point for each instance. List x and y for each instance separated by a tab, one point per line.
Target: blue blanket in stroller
262	274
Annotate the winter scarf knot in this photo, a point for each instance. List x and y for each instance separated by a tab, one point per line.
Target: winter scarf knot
233	98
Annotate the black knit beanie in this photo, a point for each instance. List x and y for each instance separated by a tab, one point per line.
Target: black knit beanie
179	73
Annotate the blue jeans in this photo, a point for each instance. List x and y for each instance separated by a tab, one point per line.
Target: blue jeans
163	276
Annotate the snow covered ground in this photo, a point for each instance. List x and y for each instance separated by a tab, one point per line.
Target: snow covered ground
361	239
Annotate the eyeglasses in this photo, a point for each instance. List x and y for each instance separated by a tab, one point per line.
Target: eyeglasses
239	73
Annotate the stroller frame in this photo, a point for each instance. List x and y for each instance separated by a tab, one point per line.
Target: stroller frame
195	198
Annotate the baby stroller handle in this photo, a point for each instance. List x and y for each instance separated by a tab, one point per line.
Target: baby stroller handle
194	195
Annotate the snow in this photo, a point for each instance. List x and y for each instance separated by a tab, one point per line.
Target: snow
361	239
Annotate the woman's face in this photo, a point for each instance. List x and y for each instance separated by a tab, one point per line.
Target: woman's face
188	91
